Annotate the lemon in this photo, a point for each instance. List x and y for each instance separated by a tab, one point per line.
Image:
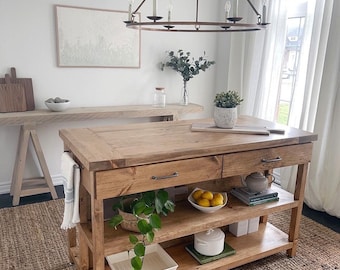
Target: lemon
203	202
207	195
197	194
216	201
218	195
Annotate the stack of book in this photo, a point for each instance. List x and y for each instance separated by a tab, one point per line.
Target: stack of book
203	259
255	198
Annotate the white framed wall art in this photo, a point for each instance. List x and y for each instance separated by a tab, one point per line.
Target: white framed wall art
88	37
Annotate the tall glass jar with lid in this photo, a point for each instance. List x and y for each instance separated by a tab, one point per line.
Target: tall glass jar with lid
159	97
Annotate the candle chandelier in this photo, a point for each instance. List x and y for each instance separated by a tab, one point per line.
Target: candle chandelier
231	23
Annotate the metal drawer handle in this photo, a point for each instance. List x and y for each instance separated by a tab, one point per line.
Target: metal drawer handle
271	160
175	174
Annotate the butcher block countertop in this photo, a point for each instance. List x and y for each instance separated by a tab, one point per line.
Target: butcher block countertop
110	147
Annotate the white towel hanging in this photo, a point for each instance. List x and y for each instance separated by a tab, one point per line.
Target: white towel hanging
71	173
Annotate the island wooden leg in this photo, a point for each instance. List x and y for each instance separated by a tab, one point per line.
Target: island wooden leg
97	218
84	212
72	243
297	212
84	252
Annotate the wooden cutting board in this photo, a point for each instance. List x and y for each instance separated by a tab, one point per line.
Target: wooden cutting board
28	88
208	127
12	97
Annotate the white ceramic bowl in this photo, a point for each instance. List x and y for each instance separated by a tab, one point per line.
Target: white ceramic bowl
210	209
58	107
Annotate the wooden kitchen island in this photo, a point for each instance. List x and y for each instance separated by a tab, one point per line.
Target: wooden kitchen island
123	160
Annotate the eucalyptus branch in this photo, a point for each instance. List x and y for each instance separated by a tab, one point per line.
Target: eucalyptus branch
187	66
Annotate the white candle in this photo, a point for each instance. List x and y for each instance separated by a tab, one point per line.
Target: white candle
235	8
169	15
169	10
130	10
264	13
227	8
154	13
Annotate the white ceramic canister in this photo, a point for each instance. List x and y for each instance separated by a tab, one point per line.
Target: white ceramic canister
209	243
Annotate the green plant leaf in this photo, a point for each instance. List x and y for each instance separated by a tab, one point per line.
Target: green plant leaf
155	221
136	263
117	206
149	210
115	221
150	236
158	206
133	239
161	198
169	205
138	208
139	249
149	198
165	211
143	226
162	195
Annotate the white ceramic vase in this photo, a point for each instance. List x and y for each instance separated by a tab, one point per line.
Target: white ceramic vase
225	117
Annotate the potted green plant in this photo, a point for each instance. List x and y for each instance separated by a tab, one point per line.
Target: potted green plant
145	209
225	110
188	67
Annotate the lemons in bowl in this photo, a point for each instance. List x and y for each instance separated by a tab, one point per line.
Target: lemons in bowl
207	201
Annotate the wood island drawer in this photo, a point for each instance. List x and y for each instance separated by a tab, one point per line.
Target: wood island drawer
266	159
136	179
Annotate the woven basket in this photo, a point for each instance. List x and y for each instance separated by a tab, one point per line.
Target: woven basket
129	222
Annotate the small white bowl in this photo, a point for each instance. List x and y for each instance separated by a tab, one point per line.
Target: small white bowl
207	209
58	107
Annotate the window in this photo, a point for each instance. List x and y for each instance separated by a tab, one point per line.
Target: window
297	11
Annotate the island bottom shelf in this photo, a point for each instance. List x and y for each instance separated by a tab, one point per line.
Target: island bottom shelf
268	240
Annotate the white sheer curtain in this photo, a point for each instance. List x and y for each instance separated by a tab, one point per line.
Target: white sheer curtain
323	186
320	111
254	68
308	78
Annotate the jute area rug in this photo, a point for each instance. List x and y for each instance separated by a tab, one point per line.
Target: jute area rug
31	239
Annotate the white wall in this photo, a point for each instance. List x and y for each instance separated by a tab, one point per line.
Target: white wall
28	43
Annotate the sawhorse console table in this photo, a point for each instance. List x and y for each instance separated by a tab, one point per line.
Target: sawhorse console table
29	120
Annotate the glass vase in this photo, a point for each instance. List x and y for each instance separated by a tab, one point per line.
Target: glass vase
185	95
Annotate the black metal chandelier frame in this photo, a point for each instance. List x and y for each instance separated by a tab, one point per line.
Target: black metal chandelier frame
232	24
